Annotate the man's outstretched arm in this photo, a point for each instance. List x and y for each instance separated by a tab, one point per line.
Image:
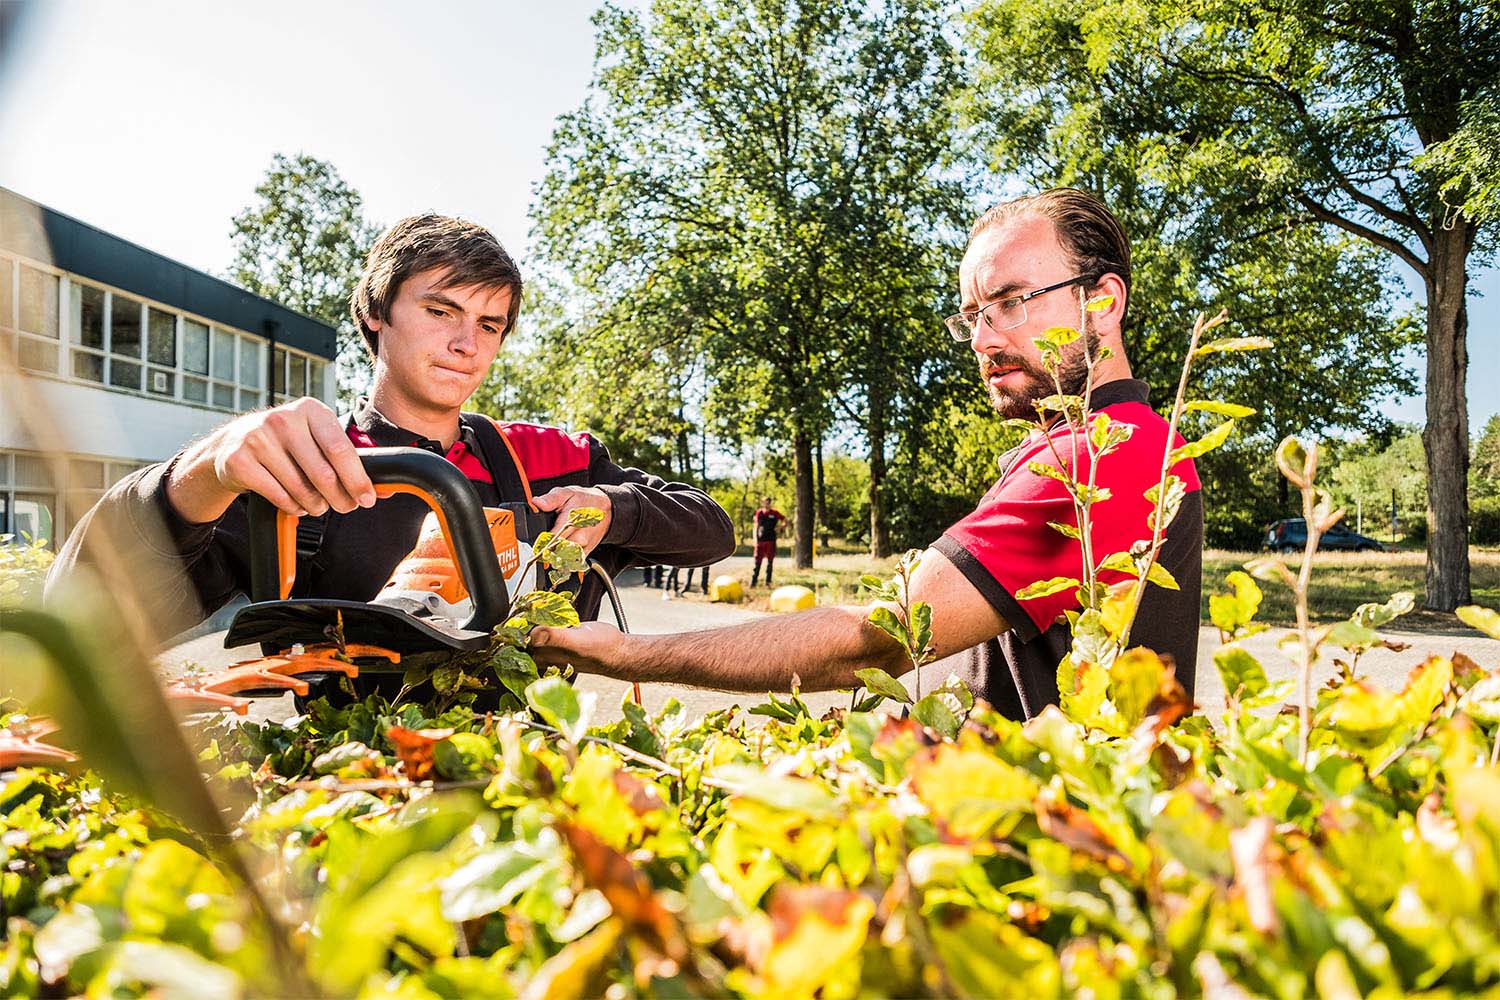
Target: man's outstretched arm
822	648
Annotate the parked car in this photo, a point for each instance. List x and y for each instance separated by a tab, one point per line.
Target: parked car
1290	535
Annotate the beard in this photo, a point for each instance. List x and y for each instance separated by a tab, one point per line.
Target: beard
1020	401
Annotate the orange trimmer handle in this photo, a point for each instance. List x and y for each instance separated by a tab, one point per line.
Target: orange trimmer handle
430	477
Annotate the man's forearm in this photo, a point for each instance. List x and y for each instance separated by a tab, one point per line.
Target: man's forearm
820	649
192	487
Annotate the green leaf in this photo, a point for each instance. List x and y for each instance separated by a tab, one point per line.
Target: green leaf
1241	672
1099	431
445	679
1159	575
1050	471
885	619
784	792
545	608
1351	636
1234	410
1099	303
1234	344
879	682
1120	562
1482	701
1061	404
556	702
1058	335
565	556
1376	615
921	620
169	971
585	517
1295	462
514	668
1176	492
934	713
1065	529
1045	588
495	877
1203	445
1484	619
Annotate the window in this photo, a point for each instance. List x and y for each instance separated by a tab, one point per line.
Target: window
297	375
111	338
85	487
222	367
315	378
38	302
124	341
251	367
161	349
194	361
31	487
7	293
34	502
86	322
39	317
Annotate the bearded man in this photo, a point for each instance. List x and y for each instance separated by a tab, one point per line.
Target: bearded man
1031	264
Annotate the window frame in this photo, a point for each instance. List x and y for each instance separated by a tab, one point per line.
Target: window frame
241	394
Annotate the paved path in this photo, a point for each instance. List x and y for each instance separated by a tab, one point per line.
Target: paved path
646	612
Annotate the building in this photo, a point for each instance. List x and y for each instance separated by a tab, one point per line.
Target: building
128	356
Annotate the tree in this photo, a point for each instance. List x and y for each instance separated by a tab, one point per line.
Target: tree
1367	475
732	182
303	243
1245	117
1484	472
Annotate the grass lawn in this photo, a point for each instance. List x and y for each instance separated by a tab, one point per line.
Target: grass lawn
1341	582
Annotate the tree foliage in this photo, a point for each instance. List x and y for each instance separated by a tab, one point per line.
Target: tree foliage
302	242
1263	115
757	186
1069	96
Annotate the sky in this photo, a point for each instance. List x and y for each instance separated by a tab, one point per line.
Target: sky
154	121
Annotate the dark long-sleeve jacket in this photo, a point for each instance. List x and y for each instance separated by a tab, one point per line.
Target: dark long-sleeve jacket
183	572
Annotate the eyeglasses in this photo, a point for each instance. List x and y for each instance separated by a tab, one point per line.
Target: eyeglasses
1009	312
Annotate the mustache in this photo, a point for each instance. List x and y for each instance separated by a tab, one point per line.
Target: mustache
1000	361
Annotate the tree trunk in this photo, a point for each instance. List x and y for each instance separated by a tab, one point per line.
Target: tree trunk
802	473
822	508
880	539
1446	436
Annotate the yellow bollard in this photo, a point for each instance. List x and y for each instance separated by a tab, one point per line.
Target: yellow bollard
727	589
793	598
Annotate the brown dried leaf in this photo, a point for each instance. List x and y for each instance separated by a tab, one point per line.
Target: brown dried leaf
641	796
414	749
1249	849
627	890
1075	829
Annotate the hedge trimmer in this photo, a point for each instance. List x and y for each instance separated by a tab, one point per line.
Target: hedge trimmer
446	596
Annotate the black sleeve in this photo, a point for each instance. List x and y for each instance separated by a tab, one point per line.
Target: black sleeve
654	521
180	572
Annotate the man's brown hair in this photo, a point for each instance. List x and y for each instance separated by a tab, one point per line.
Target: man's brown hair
420	243
1090	234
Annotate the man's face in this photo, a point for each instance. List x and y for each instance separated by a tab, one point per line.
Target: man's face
1011	259
437	344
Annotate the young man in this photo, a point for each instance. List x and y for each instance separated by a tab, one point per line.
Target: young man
435	302
766	520
1029	265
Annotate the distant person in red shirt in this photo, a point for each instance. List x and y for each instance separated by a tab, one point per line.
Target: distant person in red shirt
766	519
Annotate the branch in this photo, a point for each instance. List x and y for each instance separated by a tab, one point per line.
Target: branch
1376	237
